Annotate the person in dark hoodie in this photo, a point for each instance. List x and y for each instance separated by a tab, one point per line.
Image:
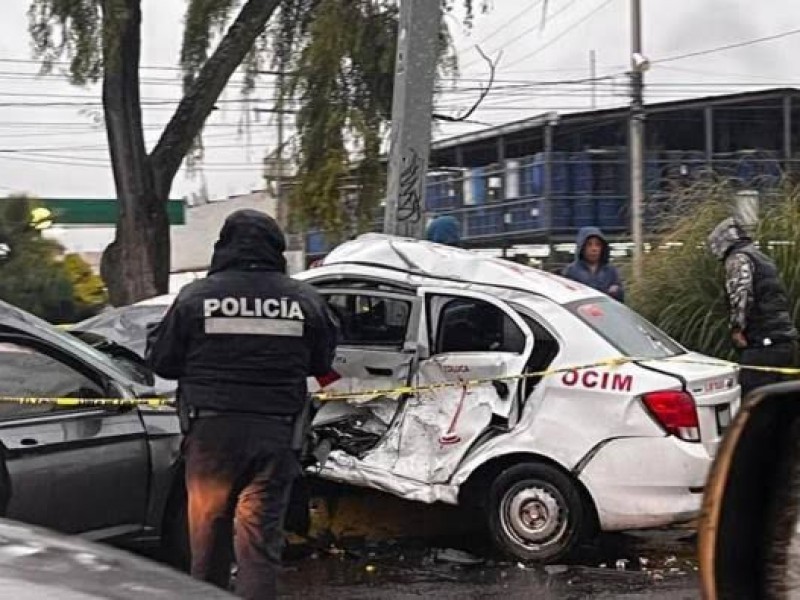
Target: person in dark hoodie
591	265
760	318
444	230
241	343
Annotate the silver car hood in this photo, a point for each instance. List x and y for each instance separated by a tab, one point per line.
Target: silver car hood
36	564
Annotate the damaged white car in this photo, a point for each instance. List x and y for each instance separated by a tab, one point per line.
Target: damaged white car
548	459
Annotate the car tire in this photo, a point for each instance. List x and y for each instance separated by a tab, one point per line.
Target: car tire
535	513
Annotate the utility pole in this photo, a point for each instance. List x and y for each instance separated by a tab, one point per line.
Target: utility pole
639	65
412	110
593	76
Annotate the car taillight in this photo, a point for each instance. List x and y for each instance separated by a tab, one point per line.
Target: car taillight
676	412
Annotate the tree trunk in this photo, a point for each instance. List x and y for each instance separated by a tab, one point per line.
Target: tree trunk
136	264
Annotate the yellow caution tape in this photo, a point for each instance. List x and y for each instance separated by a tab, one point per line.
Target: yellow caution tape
329	396
410	389
67	401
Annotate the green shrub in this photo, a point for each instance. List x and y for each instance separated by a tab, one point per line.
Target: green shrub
35	278
88	290
682	287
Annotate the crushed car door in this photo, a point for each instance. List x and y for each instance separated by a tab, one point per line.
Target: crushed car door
378	339
478	346
72	469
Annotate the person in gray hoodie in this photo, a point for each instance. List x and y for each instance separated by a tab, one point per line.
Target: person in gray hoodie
591	265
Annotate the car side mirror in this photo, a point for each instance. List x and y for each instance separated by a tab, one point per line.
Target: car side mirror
748	537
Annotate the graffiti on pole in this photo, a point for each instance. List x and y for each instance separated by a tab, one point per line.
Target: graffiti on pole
409	202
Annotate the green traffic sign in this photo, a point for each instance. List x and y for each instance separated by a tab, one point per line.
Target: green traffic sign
104	211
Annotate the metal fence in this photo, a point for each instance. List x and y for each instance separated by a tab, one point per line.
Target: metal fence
530	198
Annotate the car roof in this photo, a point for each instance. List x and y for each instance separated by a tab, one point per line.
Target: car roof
401	257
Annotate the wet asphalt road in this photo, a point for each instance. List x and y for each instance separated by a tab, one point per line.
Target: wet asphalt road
367	545
648	565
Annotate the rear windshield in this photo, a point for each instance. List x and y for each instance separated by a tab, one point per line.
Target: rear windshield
628	332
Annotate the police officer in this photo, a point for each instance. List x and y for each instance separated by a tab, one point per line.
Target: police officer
242	342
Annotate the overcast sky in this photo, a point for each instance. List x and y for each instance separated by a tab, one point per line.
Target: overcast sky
63	147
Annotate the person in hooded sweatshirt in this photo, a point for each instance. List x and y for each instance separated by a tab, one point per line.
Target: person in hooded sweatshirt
760	318
591	265
241	343
444	230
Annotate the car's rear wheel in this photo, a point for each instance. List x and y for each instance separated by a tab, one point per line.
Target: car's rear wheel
536	513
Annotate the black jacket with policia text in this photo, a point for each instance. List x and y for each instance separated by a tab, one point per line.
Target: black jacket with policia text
245	338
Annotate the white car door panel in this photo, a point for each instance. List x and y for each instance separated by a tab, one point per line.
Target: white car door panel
467	338
377	352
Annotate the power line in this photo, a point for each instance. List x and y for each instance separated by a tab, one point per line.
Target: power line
715	73
178	70
86	163
752	42
562	34
172	68
525	32
505	24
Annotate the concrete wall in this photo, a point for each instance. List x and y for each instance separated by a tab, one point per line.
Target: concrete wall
193	243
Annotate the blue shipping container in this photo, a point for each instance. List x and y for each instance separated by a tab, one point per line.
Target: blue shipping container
561	213
580	173
316	243
584	212
612	213
477	180
525	217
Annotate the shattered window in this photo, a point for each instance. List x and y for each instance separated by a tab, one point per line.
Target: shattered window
469	325
368	320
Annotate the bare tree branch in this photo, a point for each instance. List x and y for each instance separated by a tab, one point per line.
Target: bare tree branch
484	91
198	102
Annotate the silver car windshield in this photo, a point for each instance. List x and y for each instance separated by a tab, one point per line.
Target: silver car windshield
624	329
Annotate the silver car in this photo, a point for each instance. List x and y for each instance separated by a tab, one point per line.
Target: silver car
36	563
105	472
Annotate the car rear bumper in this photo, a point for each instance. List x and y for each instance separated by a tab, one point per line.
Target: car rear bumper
637	483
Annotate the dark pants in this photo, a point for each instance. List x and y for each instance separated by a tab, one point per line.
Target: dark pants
239	472
777	355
